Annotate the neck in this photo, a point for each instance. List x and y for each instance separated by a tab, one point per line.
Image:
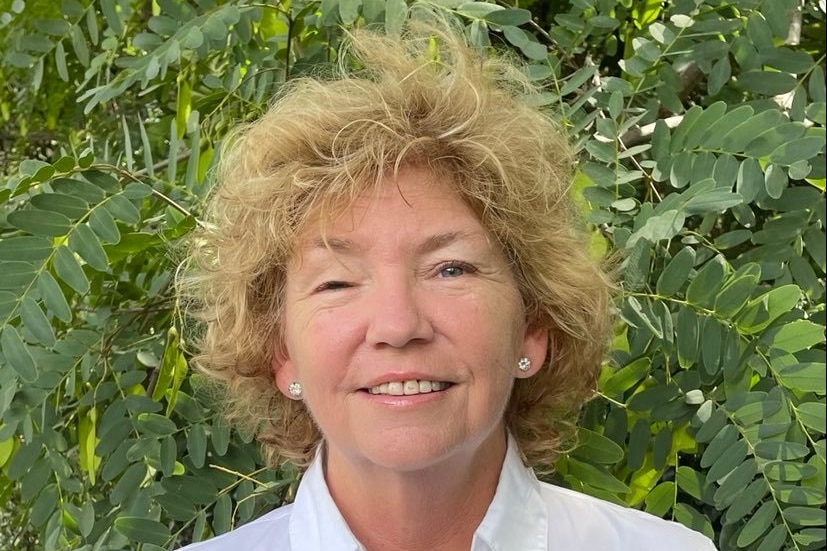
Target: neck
438	507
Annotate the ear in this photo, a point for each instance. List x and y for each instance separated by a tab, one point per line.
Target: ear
535	348
284	371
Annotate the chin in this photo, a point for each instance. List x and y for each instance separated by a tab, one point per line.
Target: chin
408	450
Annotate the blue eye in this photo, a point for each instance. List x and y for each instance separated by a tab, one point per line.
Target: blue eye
455	269
452	271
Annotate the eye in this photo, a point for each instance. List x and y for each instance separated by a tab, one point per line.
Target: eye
455	269
332	286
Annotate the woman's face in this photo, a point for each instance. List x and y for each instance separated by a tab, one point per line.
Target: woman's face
404	328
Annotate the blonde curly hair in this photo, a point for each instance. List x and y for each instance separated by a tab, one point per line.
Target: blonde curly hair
425	100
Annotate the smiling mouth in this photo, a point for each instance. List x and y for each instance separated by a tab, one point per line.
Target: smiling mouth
409	388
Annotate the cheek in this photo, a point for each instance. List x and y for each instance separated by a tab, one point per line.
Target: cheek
319	338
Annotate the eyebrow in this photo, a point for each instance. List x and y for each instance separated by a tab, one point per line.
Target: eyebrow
431	244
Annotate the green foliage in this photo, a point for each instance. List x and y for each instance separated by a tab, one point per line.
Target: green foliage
701	131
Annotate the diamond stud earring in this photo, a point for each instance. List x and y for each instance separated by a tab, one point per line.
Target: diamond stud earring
524	364
295	389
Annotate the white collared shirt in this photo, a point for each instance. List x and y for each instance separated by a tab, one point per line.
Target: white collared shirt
525	515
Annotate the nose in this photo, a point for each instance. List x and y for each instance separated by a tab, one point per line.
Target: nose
397	316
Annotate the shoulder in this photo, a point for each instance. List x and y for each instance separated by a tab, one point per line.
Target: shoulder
269	532
582	518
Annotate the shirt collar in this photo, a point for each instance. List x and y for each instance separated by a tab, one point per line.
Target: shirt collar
316	522
516	519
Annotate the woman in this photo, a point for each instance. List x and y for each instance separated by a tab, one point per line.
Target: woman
396	295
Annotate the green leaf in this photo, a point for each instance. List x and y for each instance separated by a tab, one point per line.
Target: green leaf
775	181
805	377
36	322
104	225
40	222
8	304
816	244
79	45
817	112
719	75
169	451
194	489
722	442
113	19
122	208
53	297
639	438
761	311
732	239
509	16
84	191
711	335
697	129
396	12
769	140
687	333
757	524
68	269
129	482
167	367
595	477
691	481
795	336
597	448
676	273
84	242
788	471
733	297
17	354
774	539
60	62
717	200
661	498
177	507
660	226
661	447
728	461
800	495
576	80
703	289
773	449
635	314
25	249
813	415
627	376
739	137
197	445
654	396
736	481
747	500
691	518
16	275
802	149
67	205
86	521
767	83
143	530
805	516
155	424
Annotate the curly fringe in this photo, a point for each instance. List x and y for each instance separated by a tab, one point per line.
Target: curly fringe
426	100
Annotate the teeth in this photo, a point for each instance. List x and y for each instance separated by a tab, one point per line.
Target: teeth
408	388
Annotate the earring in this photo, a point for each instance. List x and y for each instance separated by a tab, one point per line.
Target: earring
523	364
295	389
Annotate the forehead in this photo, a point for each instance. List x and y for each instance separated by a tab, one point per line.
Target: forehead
413	201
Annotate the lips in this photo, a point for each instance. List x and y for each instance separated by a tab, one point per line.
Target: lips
409	387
